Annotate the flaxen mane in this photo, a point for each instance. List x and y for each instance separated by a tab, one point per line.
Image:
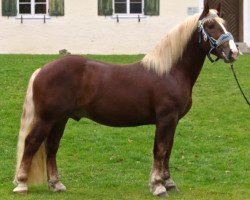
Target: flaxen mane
170	49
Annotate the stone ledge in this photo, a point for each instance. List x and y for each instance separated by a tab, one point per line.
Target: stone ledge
243	47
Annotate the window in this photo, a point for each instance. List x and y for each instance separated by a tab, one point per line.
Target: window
128	6
40	7
24	7
135	6
32	8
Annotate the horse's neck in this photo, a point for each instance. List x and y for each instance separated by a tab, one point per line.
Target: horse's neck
192	60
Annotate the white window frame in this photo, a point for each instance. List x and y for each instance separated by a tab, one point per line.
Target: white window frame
33	15
128	14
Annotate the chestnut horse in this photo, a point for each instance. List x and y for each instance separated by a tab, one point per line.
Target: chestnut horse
156	90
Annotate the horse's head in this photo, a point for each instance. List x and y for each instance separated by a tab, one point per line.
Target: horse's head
214	38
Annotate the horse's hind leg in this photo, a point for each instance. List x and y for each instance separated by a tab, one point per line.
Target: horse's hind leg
33	141
52	146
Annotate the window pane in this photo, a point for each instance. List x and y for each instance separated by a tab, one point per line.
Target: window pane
120	1
24	8
135	8
40	9
21	1
120	8
37	1
135	1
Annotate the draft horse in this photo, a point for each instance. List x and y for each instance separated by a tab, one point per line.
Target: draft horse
157	90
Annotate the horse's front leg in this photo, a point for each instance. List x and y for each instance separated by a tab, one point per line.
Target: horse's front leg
168	182
160	176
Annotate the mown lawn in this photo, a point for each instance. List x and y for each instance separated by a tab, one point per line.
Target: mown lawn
210	159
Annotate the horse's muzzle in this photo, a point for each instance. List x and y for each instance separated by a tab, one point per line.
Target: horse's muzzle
231	56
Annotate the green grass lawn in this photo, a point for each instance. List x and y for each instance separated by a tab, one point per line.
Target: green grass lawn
210	158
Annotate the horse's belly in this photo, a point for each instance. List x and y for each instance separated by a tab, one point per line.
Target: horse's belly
120	115
121	122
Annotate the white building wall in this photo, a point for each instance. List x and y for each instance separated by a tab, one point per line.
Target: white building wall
82	31
246	21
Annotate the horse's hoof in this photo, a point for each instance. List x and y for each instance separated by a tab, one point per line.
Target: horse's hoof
163	195
171	186
172	189
57	187
21	189
160	191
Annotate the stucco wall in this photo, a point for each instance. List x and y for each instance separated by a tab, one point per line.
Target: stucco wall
81	30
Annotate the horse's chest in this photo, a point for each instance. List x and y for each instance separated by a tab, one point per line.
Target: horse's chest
185	107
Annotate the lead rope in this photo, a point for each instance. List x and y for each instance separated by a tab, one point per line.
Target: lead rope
237	81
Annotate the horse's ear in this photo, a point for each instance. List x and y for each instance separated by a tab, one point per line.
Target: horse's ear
206	8
219	9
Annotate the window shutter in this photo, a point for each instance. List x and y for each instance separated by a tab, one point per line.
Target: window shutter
105	7
152	7
56	7
9	8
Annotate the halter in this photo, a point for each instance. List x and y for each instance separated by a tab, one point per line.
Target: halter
213	42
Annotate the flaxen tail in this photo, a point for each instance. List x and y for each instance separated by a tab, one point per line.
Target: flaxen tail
37	173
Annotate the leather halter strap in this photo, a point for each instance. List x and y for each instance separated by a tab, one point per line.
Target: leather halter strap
203	35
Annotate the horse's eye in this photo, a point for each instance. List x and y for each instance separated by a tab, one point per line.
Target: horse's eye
211	26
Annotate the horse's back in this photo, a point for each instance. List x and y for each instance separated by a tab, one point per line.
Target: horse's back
77	87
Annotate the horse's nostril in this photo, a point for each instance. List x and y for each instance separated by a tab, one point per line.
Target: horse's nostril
230	54
233	54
